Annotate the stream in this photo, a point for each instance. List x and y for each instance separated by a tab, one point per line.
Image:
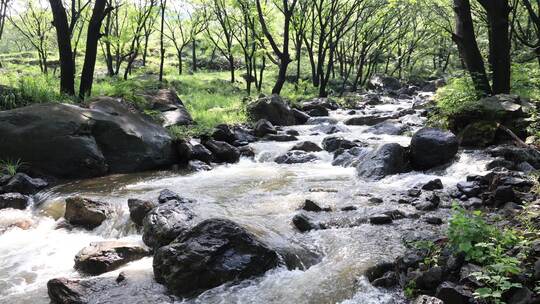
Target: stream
257	193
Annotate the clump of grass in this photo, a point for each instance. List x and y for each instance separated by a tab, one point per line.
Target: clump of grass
10	167
456	97
186	132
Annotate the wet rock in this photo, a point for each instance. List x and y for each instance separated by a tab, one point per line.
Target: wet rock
451	293
388	280
101	257
500	162
375	200
172	109
525	167
214	252
348	208
14	201
430	279
322	121
385	83
466	276
316	103
166	195
304	223
247	151
386	160
263	127
166	222
306	146
369	120
470	189
330	129
423	299
333	143
243	136
426	206
380	219
317	111
138	209
280	137
505	194
350	157
224	133
200	152
292	132
86	213
387	127
372	99
435	184
296	157
301	117
273	109
24	184
522	295
537	270
222	151
432	147
311	206
197	165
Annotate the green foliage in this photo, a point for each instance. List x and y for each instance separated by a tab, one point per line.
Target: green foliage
457	96
185	132
10	167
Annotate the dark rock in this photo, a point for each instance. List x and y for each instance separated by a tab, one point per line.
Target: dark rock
386	160
505	194
375	200
432	147
273	109
317	111
166	195
292	132
322	121
388	280
395	214
435	184
200	152
280	137
173	111
349	208
304	223
101	257
372	99
430	279
451	293
263	127
224	133
24	184
517	155
243	136
525	167
306	146
522	295
86	213
384	83
414	192
14	201
247	151
369	120
316	103
222	151
333	143
479	134
387	127
296	157
311	206
380	219
166	222
330	129
212	253
138	209
500	162
433	220
470	189
301	117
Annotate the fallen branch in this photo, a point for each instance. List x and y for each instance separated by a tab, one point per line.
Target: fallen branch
518	140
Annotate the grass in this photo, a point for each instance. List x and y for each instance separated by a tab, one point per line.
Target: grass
10	167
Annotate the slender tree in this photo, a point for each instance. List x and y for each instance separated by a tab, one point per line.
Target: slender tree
163	7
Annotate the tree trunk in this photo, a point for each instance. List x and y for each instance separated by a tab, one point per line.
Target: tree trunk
67	66
465	39
92	39
194	55
161	40
498	12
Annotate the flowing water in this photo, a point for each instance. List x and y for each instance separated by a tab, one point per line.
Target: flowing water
259	194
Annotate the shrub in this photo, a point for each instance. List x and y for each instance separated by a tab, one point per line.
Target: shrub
10	167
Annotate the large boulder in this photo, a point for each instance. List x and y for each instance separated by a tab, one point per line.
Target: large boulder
164	223
432	147
68	141
273	109
101	257
171	108
479	134
138	209
86	213
386	160
214	252
384	83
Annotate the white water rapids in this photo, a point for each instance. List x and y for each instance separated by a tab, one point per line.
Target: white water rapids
259	194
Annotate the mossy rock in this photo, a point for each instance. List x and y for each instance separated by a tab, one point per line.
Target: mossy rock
478	134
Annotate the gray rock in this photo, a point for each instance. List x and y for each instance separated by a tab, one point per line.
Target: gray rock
138	209
86	213
306	146
432	147
387	127
304	223
369	120
14	201
101	257
172	109
273	109
386	160
296	157
24	184
451	293
263	127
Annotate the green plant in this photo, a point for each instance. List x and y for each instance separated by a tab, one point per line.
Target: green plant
10	167
410	289
496	286
186	132
467	229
